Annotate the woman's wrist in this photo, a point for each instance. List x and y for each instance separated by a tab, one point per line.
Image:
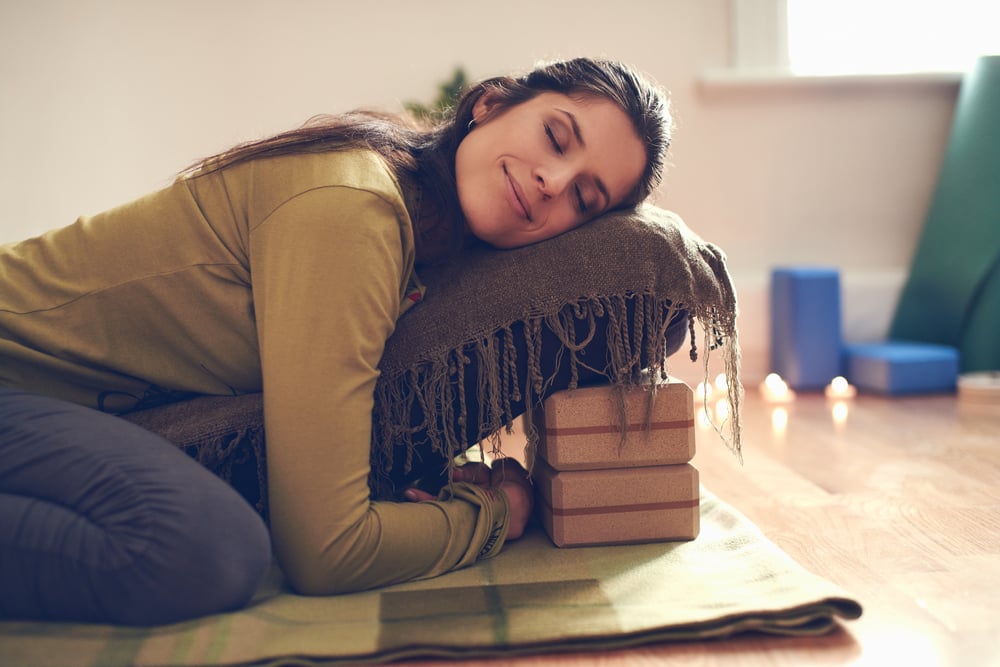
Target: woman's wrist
510	477
505	476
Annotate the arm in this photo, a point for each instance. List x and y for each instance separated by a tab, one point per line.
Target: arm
327	268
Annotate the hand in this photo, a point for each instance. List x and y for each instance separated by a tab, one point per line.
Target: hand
511	476
506	474
473	473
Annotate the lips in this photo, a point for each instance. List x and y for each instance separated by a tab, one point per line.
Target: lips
516	196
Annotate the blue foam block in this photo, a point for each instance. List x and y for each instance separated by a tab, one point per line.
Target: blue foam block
898	367
805	326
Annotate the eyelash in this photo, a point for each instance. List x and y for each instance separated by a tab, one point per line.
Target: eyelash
552	138
559	149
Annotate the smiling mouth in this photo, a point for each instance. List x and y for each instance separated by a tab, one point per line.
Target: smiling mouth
515	196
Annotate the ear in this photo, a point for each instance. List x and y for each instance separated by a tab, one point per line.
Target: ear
484	107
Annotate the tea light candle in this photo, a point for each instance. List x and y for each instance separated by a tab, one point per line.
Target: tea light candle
722	410
704	390
779	420
775	390
839	413
840	388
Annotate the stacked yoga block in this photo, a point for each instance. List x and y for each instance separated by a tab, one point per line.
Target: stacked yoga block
808	351
599	484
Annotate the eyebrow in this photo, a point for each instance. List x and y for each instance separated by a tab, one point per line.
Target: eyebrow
579	138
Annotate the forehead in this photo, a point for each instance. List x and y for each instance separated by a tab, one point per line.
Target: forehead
612	148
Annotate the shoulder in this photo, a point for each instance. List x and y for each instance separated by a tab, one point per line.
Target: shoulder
336	190
256	189
362	170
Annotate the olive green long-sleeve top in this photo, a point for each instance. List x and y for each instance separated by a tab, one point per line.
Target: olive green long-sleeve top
284	275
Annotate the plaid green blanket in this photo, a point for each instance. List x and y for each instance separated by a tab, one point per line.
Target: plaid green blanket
531	598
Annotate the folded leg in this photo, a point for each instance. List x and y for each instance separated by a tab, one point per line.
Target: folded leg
103	521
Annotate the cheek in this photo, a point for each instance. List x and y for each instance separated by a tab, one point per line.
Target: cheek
477	208
465	177
471	191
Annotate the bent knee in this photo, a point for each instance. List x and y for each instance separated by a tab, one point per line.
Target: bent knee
196	559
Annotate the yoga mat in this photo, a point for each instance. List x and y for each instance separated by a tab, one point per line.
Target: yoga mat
531	598
952	294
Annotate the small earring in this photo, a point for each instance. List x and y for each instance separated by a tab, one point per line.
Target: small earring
472	123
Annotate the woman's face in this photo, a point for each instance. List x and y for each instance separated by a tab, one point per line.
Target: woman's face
545	166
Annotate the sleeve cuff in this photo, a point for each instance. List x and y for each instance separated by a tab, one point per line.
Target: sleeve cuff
490	531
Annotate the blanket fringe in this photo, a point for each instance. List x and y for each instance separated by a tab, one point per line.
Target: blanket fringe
225	454
437	385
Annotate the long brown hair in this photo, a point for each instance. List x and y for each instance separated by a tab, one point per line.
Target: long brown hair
423	158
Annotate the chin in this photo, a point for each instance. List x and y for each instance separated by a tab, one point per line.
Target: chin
499	243
509	243
486	229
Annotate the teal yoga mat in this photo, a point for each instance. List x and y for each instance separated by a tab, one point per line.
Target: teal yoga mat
952	295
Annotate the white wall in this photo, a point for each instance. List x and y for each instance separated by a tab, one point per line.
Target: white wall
104	100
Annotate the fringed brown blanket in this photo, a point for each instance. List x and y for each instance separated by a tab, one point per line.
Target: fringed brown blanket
631	272
636	269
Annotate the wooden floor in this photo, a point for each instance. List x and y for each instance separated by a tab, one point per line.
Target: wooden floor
898	502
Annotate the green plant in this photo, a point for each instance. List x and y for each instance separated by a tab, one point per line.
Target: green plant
448	95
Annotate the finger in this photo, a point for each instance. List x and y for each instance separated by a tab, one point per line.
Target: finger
475	473
417	495
508	469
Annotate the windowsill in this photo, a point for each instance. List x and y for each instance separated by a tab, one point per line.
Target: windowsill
733	79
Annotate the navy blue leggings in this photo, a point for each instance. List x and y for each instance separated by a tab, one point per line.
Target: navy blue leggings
103	521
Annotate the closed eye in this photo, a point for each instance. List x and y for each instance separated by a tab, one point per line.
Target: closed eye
552	138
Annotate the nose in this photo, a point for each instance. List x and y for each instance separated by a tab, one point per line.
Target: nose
553	179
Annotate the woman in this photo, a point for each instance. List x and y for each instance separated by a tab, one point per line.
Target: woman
280	266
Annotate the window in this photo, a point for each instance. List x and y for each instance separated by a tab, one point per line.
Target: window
824	37
889	36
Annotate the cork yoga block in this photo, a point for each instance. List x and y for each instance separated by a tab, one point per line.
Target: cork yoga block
618	505
580	429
